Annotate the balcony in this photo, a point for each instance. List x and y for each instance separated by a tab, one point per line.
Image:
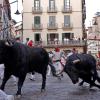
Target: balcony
37	26
67	26
67	9
52	10
36	10
70	43
53	26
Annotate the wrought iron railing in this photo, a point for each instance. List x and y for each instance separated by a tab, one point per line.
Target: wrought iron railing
67	26
52	26
67	9
62	43
52	9
36	10
37	26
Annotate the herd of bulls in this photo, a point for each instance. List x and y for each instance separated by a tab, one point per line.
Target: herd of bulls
20	59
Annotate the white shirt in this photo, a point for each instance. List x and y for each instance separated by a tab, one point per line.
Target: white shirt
56	55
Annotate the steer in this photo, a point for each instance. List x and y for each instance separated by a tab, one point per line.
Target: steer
82	66
20	59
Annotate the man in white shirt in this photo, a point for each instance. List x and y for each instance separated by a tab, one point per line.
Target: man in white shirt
57	54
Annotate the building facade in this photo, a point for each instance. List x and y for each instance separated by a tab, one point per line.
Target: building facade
5	17
53	20
93	38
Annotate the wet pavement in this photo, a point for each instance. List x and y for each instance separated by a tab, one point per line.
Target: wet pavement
55	89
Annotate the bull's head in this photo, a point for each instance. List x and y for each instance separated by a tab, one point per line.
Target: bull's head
72	71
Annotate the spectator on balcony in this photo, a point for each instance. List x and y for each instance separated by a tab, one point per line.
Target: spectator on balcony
56	41
66	40
40	42
75	40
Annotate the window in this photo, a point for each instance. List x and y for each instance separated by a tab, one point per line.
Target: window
66	20
37	37
51	4
52	36
37	20
52	20
66	3
37	4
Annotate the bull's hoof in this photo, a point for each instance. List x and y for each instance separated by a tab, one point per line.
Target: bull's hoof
42	90
18	96
91	86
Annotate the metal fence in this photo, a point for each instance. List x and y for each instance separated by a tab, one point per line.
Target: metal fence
64	43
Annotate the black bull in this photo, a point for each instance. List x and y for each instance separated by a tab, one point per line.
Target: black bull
82	66
20	59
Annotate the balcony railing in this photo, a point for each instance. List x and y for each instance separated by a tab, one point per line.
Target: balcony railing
67	9
53	26
37	26
36	10
62	43
52	10
67	26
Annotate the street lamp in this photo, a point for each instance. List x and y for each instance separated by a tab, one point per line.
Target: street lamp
17	11
5	20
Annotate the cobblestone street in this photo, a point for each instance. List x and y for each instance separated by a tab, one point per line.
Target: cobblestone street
55	90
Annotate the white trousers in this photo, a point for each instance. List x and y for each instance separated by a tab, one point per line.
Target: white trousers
49	70
58	67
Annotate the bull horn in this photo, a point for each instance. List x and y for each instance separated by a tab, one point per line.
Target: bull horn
76	61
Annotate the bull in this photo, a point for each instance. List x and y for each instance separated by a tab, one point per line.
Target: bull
82	66
20	59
